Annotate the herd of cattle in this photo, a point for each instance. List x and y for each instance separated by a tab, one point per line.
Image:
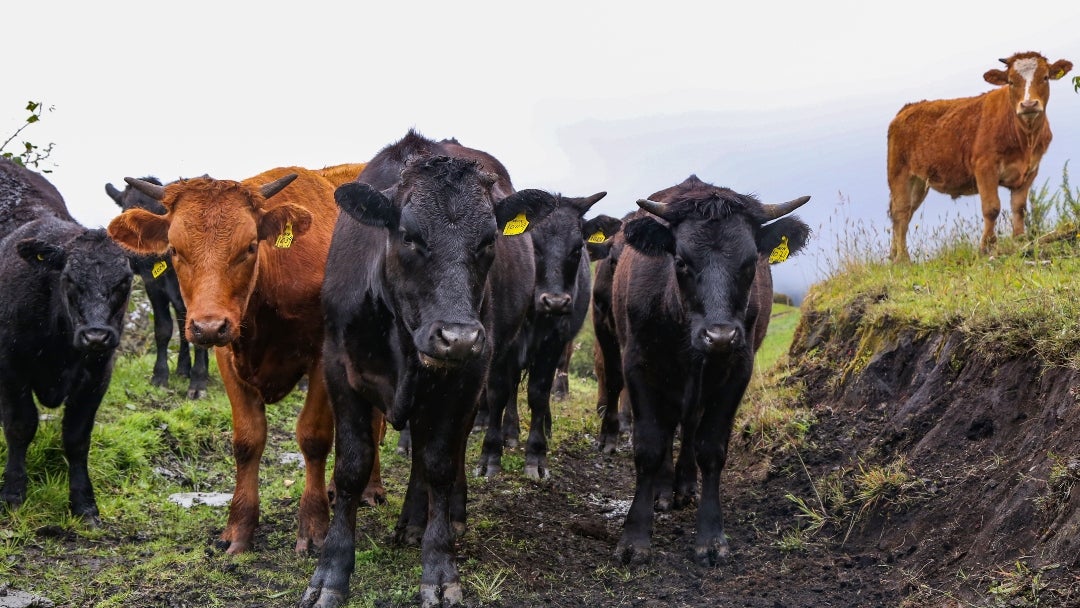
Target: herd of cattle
416	289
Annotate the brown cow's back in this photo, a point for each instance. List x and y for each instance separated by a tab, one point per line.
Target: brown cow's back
341	174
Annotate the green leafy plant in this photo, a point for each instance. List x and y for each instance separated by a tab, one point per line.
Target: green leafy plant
31	155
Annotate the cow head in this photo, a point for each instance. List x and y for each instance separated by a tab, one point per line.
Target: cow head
94	284
1028	77
130	198
441	223
714	238
214	231
558	243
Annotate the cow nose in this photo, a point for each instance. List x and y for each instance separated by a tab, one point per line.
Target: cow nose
457	340
207	332
96	338
555	303
1030	105
719	338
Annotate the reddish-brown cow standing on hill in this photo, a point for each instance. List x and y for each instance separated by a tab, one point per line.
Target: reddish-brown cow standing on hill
249	257
973	145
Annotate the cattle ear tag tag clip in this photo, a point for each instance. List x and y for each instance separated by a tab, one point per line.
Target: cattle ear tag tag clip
284	240
780	253
597	237
158	268
516	225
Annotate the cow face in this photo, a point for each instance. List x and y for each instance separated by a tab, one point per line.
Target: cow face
558	247
214	231
130	198
1028	77
95	281
441	223
714	241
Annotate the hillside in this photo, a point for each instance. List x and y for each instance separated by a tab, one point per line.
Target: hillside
917	445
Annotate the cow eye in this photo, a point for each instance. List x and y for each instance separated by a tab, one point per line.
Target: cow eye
680	264
253	247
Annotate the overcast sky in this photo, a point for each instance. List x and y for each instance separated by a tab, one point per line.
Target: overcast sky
778	99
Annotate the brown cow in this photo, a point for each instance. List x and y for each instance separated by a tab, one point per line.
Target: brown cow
249	257
973	145
341	174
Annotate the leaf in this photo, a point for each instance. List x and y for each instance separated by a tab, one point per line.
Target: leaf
33	118
32	105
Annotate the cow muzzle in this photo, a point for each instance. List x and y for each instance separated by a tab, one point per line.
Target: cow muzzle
1029	108
210	331
554	303
449	344
719	339
96	338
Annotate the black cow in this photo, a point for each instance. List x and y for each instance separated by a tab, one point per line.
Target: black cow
613	411
409	322
63	306
163	291
691	300
560	303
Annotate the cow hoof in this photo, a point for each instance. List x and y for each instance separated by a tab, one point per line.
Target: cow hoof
450	593
712	553
685	499
628	553
409	535
232	547
663	502
536	472
608	445
373	497
196	393
162	382
307	546
510	442
316	597
457	529
91	520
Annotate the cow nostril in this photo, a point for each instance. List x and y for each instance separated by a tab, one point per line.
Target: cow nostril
719	336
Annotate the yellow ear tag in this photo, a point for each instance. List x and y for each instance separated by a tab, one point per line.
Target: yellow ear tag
780	253
1059	74
516	225
597	237
284	240
158	269
40	257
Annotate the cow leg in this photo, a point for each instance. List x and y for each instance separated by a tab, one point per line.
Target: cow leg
438	450
663	485
906	193
502	383
560	389
315	436
163	328
711	442
413	518
375	493
511	426
200	373
609	386
249	440
541	374
183	357
354	459
686	468
653	436
1018	202
78	422
986	180
19	417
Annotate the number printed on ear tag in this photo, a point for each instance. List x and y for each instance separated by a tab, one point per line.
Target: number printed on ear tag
780	253
158	269
516	225
284	240
597	237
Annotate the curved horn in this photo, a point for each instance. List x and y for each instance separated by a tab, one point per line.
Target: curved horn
586	203
773	212
277	185
658	209
154	191
1005	61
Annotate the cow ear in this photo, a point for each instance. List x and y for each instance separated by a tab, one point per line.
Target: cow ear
1060	68
367	205
36	251
597	233
783	238
141	231
649	237
997	77
521	210
114	194
283	223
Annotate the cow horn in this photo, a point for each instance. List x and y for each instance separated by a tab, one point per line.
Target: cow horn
154	191
773	212
277	185
1005	61
653	207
